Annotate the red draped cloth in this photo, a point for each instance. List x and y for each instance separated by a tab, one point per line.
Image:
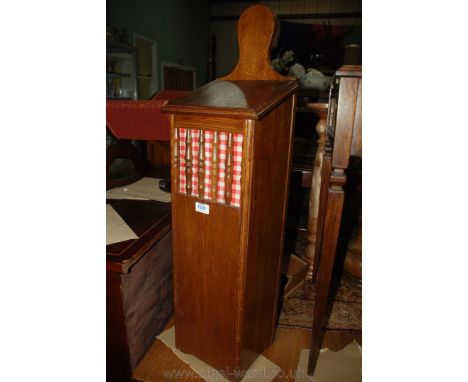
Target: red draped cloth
141	120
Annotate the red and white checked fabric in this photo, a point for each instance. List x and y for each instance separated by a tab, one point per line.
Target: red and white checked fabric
222	149
182	148
222	139
236	175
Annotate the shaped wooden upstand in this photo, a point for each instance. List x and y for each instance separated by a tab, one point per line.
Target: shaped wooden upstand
231	155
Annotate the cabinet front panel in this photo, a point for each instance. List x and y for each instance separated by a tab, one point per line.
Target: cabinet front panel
206	275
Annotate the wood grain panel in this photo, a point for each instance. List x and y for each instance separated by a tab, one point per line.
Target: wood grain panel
356	144
234	99
345	116
205	286
147	285
272	143
209	123
254	53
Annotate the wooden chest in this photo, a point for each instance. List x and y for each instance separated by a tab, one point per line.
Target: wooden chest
231	151
139	285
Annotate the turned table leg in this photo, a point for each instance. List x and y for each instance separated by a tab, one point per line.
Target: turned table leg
321	109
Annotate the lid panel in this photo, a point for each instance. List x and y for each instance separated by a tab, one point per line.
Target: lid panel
246	99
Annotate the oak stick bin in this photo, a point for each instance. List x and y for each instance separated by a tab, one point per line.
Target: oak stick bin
230	157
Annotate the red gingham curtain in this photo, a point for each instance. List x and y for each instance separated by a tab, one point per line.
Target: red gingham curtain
222	141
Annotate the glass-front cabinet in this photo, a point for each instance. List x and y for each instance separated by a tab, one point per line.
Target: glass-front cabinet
120	71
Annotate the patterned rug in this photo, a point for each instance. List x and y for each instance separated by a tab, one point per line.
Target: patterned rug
346	313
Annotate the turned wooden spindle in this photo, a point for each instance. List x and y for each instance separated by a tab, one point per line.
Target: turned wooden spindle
321	109
175	156
201	164
188	161
214	168
324	182
229	169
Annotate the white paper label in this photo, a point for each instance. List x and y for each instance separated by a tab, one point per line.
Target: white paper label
203	208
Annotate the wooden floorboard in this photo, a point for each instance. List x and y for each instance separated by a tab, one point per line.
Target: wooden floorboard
284	352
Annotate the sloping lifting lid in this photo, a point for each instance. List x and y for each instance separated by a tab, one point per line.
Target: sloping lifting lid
236	99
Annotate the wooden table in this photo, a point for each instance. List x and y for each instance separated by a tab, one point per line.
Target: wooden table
346	139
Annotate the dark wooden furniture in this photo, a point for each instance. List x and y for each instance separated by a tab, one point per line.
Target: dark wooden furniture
231	154
138	286
139	272
124	149
345	137
176	78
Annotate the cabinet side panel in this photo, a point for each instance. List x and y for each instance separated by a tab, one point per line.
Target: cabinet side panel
206	271
270	178
147	297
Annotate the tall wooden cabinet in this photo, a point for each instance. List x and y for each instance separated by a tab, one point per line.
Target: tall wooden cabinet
231	154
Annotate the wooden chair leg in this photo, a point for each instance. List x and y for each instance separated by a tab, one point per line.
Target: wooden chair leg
334	208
